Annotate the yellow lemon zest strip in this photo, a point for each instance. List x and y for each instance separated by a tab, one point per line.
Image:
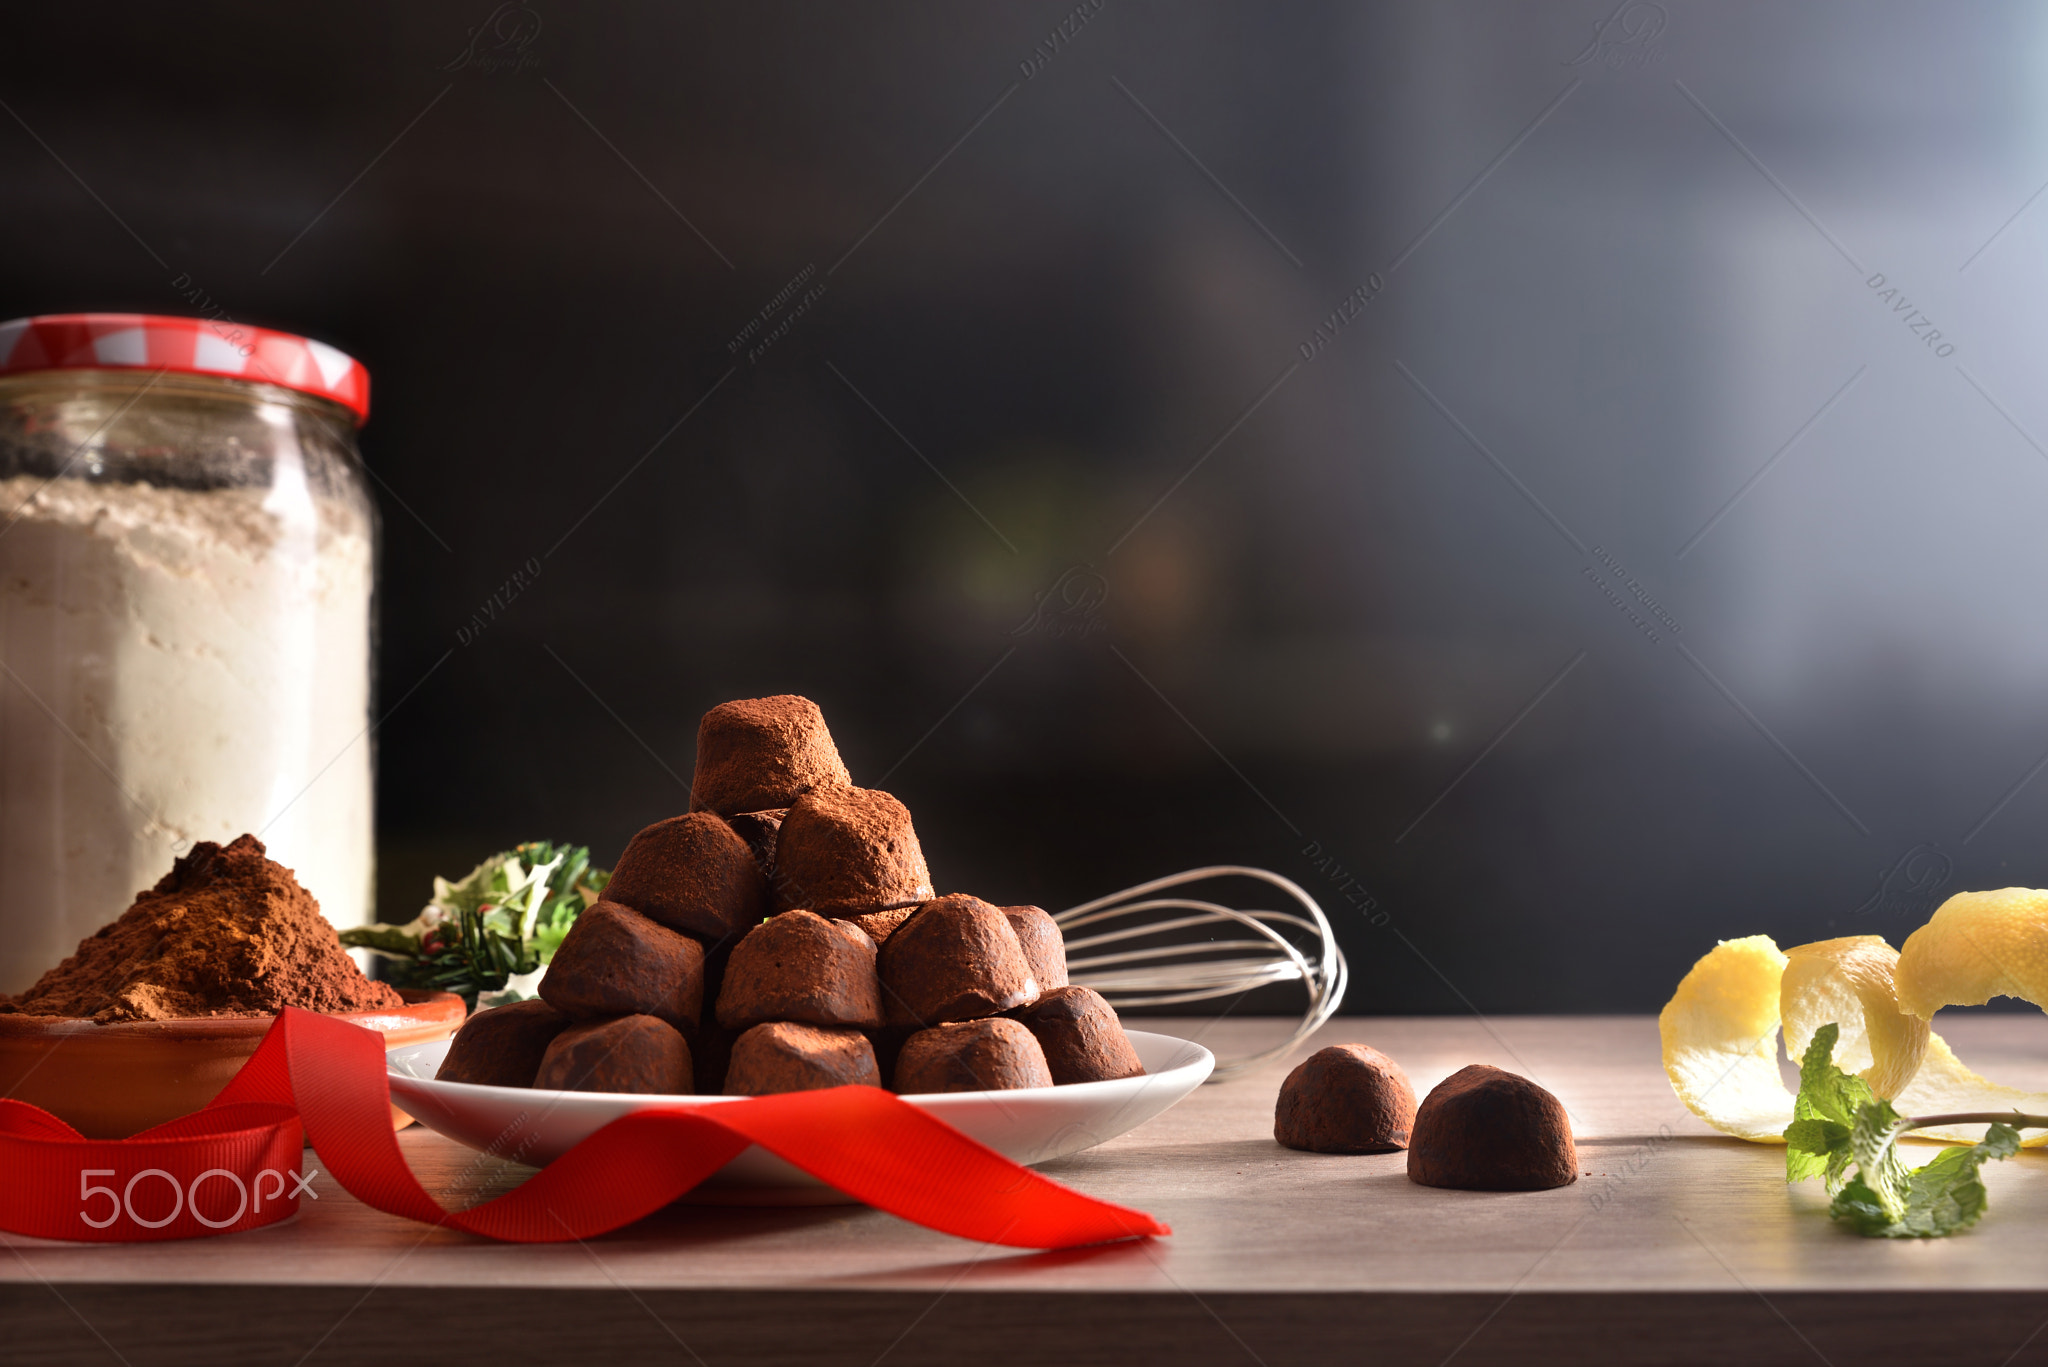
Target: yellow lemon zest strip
1945	1086
1720	1032
1849	982
1720	1029
1977	945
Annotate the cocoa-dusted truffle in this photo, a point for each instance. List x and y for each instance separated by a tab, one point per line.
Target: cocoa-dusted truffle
616	962
626	1054
1348	1098
844	851
758	829
971	1056
1081	1036
956	959
801	967
880	925
759	753
1483	1129
782	1056
502	1047
1045	949
694	874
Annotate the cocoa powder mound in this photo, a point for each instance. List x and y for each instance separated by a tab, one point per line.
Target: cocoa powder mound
226	932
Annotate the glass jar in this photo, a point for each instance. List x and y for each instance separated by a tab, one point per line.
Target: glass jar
186	577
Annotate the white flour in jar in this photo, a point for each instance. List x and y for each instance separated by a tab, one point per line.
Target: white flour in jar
179	665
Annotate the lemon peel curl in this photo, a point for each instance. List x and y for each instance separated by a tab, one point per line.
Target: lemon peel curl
1721	1028
1720	1032
1849	981
1976	946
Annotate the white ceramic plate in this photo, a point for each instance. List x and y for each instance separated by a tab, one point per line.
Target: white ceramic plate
1033	1125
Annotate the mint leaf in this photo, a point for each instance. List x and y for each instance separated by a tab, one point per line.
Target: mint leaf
503	920
1816	1148
1817	1142
1825	1091
1874	1140
392	942
549	934
1940	1198
1839	1124
1857	1206
1948	1194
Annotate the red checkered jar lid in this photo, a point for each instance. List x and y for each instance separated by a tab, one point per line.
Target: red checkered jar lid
188	346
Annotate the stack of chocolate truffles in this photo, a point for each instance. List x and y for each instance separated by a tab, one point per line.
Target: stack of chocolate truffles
783	935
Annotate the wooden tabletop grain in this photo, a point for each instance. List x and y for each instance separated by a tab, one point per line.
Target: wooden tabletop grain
1677	1245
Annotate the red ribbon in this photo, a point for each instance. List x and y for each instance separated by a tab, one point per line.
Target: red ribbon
235	1164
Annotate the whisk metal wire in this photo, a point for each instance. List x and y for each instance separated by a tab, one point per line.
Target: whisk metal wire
1257	953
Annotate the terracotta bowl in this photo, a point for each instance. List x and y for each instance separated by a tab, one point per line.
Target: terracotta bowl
108	1081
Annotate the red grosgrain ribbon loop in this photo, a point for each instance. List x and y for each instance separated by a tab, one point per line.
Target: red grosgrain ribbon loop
182	1179
216	1171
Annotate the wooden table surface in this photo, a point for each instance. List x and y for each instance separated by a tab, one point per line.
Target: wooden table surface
1678	1246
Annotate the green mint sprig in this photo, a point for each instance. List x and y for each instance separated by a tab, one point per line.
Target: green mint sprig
1844	1134
496	925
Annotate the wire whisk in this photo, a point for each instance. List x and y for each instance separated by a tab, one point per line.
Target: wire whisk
1246	950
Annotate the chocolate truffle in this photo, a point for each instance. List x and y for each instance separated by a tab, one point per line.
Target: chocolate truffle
971	1056
1044	947
1348	1098
1081	1036
758	829
844	851
626	1054
1482	1129
801	967
956	959
760	753
616	962
781	1056
694	874
880	925
502	1047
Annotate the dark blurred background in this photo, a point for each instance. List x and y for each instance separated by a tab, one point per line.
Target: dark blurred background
1491	463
